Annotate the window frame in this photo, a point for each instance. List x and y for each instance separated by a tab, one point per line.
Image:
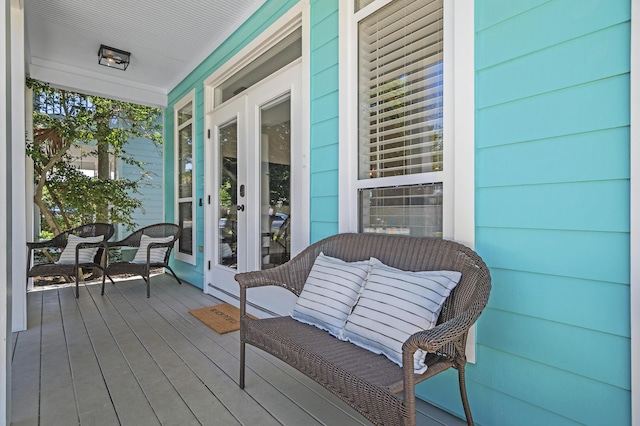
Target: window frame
459	114
189	98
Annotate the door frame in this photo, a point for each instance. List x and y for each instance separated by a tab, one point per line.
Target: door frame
297	17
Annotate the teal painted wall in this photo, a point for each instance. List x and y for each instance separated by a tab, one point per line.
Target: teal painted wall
324	119
552	201
265	16
552	214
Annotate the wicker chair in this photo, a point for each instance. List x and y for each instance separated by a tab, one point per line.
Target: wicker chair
367	382
169	231
59	242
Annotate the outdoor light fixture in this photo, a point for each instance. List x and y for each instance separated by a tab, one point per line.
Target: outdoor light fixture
114	58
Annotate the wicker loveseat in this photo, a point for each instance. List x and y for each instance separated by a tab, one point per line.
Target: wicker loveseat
368	382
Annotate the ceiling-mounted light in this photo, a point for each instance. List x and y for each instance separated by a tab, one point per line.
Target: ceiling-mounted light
114	58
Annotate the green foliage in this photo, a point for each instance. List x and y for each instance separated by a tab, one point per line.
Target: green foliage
66	196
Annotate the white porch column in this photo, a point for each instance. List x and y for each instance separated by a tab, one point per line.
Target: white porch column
5	224
18	170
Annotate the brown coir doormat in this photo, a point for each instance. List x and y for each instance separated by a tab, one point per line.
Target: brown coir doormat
222	318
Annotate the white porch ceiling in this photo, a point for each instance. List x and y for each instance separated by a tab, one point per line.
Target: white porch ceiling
167	40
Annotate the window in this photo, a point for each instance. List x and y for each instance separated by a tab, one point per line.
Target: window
405	61
407	98
185	205
400	122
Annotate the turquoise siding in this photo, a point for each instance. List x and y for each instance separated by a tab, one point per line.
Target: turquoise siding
552	200
324	119
552	214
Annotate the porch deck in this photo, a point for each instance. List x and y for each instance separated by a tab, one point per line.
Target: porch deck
125	359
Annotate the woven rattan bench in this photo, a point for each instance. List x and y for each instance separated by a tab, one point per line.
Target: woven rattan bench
368	382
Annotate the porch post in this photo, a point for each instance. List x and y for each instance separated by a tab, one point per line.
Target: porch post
5	225
17	170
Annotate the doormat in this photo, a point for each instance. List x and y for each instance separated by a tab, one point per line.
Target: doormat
222	318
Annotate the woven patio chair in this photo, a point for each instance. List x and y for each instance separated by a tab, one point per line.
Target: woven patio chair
79	254
154	243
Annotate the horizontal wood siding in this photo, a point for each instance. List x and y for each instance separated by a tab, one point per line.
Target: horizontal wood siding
151	194
324	118
552	214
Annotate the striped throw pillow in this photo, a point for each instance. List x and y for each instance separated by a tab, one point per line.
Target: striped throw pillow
157	254
68	255
328	295
396	304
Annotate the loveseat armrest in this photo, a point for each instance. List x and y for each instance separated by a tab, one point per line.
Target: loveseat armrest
278	276
448	331
433	339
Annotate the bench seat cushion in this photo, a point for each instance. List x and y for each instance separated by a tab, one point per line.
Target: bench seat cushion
348	371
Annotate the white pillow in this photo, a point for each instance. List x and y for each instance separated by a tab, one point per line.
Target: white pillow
331	290
396	304
157	254
68	255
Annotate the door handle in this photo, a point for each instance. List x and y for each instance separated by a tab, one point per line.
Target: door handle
240	207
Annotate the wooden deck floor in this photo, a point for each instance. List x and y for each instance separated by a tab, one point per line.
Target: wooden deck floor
125	359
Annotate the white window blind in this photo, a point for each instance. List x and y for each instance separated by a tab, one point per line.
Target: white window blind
401	90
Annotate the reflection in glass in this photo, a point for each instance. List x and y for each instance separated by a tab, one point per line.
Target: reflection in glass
275	172
401	85
185	113
185	162
228	195
414	210
185	243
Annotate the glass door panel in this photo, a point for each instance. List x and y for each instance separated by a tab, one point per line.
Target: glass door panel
275	182
228	194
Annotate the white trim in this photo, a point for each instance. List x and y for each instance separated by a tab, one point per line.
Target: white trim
464	134
296	17
459	104
188	98
280	29
635	212
18	170
5	259
464	130
75	79
348	130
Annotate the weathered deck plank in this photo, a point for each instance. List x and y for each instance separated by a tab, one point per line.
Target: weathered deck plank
57	393
25	381
125	359
91	393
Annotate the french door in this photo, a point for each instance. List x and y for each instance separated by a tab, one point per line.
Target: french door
257	196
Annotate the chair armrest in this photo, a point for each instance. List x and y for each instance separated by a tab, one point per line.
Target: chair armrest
169	245
42	244
157	245
80	246
113	244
